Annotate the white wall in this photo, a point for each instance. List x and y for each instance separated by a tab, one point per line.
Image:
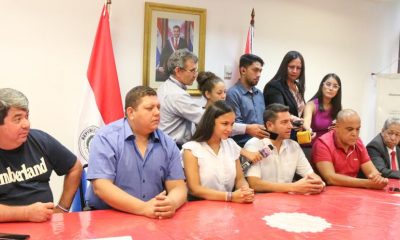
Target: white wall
46	44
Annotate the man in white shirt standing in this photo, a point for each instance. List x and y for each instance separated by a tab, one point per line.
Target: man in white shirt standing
178	109
275	172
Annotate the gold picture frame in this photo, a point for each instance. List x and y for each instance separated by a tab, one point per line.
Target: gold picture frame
161	22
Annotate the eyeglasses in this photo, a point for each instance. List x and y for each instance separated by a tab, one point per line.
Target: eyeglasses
194	70
331	85
292	68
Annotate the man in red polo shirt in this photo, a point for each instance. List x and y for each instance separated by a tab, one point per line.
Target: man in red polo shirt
339	155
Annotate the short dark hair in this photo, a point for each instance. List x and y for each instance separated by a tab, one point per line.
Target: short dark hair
134	96
206	82
248	59
270	113
176	26
206	125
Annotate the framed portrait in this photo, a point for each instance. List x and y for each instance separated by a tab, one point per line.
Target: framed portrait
167	29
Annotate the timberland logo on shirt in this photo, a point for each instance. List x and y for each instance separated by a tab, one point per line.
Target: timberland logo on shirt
24	174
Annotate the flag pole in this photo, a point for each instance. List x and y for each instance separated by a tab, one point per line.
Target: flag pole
252	17
108	5
250	34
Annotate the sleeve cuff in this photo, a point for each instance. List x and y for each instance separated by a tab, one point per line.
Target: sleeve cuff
238	129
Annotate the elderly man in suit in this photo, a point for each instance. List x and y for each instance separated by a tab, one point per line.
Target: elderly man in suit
384	149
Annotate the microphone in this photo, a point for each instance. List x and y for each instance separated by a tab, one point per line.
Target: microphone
265	152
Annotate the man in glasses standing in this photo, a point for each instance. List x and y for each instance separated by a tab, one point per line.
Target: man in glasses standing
178	110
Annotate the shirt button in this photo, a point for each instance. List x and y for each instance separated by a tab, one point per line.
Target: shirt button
144	196
144	181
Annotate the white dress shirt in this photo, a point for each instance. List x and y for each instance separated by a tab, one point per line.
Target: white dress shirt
216	171
278	167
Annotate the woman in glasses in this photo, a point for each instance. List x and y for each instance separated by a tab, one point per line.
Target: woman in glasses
320	112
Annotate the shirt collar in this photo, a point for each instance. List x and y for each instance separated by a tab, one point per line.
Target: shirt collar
129	134
181	85
284	144
390	150
351	148
244	91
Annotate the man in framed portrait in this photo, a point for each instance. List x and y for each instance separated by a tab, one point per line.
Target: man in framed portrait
171	45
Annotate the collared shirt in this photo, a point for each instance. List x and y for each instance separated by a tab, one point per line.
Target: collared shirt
114	155
248	105
216	171
346	163
178	110
278	167
390	156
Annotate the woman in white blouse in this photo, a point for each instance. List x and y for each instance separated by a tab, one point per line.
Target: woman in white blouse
211	159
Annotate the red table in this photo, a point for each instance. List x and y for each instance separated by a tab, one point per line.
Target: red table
353	213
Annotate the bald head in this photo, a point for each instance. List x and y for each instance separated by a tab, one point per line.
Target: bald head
345	114
347	128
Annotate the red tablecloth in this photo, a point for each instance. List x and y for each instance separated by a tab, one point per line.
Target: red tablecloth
353	213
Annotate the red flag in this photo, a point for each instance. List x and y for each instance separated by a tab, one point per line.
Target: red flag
102	73
102	103
250	35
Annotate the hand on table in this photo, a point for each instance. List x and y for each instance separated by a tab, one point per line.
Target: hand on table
161	206
309	185
39	212
243	195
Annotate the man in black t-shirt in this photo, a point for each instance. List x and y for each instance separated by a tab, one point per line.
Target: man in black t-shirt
27	158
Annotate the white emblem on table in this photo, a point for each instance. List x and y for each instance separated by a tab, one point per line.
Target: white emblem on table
297	222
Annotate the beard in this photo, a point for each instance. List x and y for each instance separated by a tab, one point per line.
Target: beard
252	83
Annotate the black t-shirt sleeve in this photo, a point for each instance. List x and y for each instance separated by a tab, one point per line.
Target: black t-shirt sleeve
61	159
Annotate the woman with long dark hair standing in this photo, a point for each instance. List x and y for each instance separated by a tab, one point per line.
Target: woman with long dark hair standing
288	85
